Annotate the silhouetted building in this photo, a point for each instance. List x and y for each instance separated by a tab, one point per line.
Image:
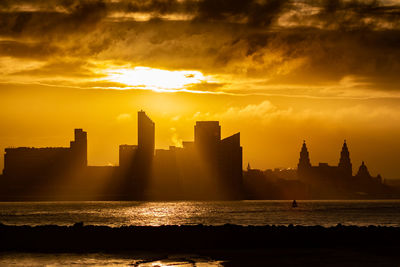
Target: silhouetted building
30	162
143	160
328	181
146	135
205	168
79	148
127	155
166	179
363	171
345	165
304	165
136	162
208	168
363	174
273	184
207	136
188	145
323	171
230	166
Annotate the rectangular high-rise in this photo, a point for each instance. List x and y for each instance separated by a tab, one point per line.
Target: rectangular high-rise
230	166
207	135
127	155
146	135
144	156
79	148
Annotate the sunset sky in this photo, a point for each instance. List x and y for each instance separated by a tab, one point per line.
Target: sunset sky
279	72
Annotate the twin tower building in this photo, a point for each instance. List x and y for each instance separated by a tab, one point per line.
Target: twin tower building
342	172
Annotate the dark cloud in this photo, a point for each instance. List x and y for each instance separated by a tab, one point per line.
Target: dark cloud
81	17
37	50
329	56
260	38
154	6
255	13
357	14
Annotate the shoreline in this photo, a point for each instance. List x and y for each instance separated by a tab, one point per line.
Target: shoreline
81	238
77	200
226	245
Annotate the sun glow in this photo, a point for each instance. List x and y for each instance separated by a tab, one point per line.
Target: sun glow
155	79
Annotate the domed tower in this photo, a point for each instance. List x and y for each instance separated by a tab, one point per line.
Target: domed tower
363	171
344	163
304	162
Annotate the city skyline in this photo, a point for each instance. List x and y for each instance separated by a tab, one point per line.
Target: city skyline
280	71
168	146
208	168
200	132
125	150
147	140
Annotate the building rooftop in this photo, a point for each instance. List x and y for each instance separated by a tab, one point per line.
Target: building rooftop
35	148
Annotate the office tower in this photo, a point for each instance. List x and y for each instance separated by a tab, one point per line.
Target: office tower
207	133
79	148
127	155
143	160
230	166
146	135
207	137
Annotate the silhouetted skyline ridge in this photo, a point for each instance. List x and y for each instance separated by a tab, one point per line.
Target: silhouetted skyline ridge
210	167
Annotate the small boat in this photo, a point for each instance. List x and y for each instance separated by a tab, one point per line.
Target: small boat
294	204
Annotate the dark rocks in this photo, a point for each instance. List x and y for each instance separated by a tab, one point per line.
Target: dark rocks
83	238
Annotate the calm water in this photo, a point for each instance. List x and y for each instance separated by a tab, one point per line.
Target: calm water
326	213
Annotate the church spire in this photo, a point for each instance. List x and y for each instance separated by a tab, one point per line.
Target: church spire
345	162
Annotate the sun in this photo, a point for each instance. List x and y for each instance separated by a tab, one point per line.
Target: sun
155	79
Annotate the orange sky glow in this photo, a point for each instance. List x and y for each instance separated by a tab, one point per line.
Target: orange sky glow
279	72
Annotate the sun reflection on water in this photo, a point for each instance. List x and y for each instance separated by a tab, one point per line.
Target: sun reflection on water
165	214
140	259
115	214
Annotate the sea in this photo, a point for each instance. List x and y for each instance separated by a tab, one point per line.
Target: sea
265	212
308	212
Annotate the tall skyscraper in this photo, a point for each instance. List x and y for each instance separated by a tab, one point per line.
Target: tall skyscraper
144	156
231	166
146	135
207	135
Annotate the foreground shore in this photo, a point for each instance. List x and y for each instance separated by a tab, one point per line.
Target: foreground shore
79	237
230	245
